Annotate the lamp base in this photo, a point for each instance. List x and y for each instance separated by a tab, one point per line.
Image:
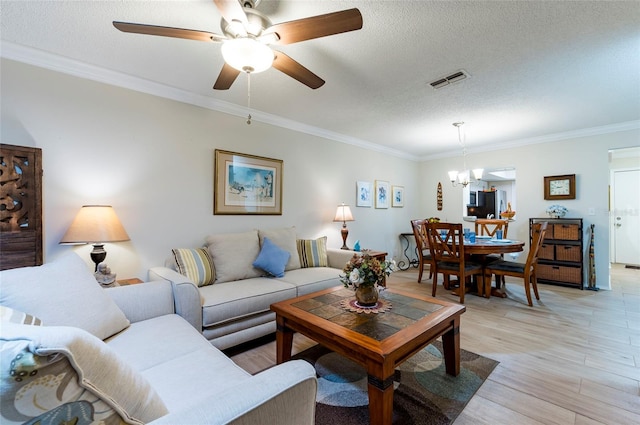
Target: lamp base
344	233
98	254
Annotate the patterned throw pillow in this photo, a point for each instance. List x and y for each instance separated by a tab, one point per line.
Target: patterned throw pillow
272	259
14	316
196	264
313	252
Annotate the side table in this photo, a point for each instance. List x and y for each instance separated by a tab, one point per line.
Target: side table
402	265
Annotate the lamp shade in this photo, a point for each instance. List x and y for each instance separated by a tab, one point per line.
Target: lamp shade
95	224
343	213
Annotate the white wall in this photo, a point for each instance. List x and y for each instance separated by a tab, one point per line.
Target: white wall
586	157
152	159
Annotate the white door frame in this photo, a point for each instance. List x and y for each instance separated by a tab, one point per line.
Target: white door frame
612	215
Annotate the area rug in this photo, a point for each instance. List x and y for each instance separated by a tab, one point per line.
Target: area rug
424	394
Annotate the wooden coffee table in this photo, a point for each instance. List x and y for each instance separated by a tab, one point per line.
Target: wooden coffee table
379	342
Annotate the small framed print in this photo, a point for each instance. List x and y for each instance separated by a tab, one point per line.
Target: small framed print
397	196
364	196
382	194
560	187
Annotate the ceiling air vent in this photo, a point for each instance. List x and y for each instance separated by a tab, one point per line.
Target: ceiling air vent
449	79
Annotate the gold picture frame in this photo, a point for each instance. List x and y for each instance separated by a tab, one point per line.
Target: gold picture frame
560	187
246	184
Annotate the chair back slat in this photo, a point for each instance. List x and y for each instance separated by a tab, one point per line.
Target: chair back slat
447	246
489	227
419	227
539	230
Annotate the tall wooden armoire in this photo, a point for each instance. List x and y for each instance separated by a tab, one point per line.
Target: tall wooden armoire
20	206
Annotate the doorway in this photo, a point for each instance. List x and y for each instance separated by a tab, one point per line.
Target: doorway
625	206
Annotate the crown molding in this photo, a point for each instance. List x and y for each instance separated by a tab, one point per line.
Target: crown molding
548	138
79	69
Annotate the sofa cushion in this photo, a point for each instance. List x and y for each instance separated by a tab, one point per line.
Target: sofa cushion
233	255
313	252
189	361
312	279
196	264
272	259
230	301
59	374
285	238
10	315
62	293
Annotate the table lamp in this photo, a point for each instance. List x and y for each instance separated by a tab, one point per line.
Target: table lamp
96	224
343	214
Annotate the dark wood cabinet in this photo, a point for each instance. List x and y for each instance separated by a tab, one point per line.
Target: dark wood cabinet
561	259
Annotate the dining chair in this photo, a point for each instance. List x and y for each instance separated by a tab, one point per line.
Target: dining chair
525	271
489	227
419	227
446	242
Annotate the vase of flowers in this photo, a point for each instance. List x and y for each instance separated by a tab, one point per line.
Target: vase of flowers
365	275
557	211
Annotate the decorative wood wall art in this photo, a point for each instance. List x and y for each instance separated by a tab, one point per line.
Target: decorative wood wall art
20	206
247	184
439	196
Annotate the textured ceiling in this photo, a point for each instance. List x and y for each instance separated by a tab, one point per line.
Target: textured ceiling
539	70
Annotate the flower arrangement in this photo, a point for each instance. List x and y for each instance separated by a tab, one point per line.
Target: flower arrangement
557	211
364	270
433	220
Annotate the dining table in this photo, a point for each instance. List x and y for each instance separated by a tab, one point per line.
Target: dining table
485	245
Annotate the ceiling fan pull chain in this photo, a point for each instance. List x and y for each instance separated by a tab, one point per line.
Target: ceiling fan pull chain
249	97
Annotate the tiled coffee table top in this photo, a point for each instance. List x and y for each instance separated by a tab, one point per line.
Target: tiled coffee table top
404	312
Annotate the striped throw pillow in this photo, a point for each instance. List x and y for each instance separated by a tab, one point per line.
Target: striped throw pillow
313	252
196	264
10	315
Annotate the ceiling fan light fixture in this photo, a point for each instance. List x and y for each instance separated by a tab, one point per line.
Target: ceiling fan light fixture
247	55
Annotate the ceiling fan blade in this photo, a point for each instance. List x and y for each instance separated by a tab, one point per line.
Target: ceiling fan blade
317	26
231	10
227	76
293	69
167	31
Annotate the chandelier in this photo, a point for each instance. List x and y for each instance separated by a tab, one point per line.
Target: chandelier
463	177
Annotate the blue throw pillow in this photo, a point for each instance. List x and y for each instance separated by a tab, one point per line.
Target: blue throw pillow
272	259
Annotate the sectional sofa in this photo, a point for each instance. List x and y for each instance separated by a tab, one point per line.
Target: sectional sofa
72	352
237	276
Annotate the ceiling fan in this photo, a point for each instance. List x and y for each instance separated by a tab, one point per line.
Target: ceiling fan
248	35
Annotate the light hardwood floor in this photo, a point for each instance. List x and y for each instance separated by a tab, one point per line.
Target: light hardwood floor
574	358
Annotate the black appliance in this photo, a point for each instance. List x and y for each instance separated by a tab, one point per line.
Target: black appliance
489	202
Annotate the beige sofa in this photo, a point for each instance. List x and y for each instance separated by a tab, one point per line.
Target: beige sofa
236	297
72	352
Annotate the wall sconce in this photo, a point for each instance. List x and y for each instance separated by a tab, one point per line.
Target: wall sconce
96	224
343	214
